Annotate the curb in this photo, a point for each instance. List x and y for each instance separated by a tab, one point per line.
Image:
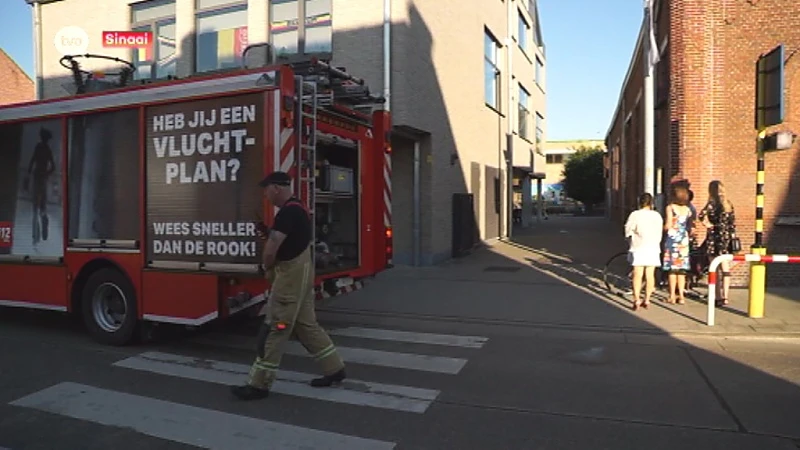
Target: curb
762	337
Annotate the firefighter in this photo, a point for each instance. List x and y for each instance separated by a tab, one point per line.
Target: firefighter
287	254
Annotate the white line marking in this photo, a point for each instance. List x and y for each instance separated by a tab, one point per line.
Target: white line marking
182	320
354	392
426	363
204	428
16	304
134	97
440	364
407	336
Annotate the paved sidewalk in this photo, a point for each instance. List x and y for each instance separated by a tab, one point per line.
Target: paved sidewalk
550	278
576	248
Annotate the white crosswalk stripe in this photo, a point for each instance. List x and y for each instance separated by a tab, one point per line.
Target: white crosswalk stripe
398	360
410	337
211	429
200	427
354	392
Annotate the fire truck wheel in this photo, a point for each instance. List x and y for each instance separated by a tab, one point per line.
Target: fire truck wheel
109	307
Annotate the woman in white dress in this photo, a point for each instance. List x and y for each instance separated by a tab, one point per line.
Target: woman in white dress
644	229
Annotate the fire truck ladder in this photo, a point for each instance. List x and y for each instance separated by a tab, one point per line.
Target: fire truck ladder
334	84
308	102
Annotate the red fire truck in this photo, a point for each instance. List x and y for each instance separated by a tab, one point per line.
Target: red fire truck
135	203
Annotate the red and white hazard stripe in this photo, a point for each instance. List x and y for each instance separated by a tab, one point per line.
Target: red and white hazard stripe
284	145
748	257
322	294
387	190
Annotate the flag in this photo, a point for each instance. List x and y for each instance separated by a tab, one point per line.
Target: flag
652	55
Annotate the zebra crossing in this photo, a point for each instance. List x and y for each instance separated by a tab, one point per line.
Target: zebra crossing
213	429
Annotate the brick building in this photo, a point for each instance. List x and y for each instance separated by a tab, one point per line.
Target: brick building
704	116
458	83
15	85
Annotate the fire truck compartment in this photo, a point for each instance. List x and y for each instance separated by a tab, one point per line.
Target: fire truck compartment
337	245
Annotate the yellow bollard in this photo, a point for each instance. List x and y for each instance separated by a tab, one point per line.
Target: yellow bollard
758	282
758	270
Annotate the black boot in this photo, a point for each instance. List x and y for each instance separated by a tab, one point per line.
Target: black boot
248	392
329	380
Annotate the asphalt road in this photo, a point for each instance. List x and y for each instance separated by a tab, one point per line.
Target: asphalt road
468	387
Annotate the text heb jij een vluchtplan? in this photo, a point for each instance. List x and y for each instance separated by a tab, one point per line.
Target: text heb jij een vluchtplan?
196	142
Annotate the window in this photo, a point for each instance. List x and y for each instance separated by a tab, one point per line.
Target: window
491	71
101	182
221	34
157	17
522	31
539	133
291	36
662	80
539	70
557	158
523	114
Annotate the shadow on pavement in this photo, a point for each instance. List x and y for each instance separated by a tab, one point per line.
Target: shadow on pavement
563	346
568	366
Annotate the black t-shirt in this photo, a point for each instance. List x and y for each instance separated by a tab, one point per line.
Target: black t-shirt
293	221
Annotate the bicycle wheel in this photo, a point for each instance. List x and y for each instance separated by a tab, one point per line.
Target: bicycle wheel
697	286
617	274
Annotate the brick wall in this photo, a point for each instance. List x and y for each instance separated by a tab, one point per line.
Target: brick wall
704	130
746	30
15	85
630	136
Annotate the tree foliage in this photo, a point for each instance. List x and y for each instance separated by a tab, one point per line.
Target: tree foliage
583	176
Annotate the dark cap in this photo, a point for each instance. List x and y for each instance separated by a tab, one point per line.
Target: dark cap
278	178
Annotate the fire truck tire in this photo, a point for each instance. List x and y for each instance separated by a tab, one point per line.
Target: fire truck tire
108	306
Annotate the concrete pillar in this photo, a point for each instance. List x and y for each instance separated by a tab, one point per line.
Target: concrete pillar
527	203
185	37
257	31
539	200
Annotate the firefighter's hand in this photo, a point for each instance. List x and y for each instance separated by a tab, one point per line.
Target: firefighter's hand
262	230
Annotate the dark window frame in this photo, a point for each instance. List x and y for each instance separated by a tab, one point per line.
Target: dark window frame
487	59
555	158
152	25
539	132
523	31
523	112
538	68
301	32
210	11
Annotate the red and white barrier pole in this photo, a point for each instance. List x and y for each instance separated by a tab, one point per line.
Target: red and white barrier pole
712	274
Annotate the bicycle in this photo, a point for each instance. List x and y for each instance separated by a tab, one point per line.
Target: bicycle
617	274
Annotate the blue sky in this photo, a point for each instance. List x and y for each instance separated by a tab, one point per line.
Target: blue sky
589	45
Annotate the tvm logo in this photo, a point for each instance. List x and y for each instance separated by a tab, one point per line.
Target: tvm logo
71	40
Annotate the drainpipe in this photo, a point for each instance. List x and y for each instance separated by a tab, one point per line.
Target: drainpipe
417	211
387	53
37	50
510	8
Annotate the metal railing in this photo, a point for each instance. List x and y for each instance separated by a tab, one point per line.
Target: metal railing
747	257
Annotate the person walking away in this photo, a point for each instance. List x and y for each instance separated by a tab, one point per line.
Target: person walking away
643	230
718	217
676	244
287	254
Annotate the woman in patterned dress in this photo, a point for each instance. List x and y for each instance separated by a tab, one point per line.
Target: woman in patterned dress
720	223
677	226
